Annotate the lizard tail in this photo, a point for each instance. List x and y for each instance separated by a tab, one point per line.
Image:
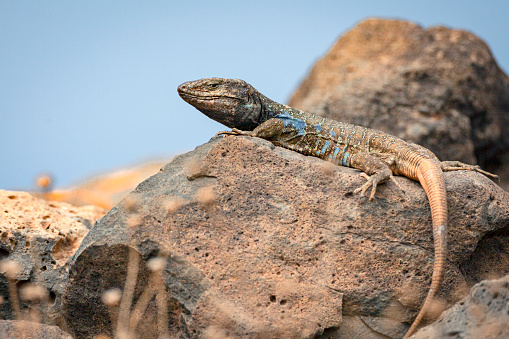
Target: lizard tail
432	180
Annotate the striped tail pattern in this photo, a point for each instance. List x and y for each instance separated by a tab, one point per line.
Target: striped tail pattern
432	180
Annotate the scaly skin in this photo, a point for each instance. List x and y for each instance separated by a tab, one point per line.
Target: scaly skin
238	105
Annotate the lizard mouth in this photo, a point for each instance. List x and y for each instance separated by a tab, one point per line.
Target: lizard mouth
188	95
204	96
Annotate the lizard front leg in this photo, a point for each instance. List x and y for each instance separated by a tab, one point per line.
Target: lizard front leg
266	130
375	170
457	166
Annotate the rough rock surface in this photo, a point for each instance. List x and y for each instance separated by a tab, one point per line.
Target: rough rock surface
40	236
439	88
483	314
26	329
266	242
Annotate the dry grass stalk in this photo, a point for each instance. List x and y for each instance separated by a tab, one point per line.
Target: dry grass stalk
128	321
141	306
162	307
127	295
111	298
155	286
12	271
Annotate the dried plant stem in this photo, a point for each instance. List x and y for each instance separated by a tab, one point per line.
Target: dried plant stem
13	293
34	315
128	293
141	305
162	307
113	311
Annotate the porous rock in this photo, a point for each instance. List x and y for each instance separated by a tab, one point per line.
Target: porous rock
438	87
39	236
483	314
265	242
28	329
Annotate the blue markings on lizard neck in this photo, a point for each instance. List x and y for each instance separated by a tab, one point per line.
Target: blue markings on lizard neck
298	124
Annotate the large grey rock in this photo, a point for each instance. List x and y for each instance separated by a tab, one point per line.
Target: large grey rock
439	88
266	242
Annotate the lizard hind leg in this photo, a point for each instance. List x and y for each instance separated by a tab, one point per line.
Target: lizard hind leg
457	165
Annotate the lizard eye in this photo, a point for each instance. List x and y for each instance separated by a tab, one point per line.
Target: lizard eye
213	85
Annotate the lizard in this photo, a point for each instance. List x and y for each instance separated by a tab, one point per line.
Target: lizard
239	106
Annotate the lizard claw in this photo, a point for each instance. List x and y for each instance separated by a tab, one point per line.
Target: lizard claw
477	168
371	182
397	184
234	131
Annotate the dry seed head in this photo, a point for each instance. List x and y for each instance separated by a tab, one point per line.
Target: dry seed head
156	264
10	268
409	294
33	292
436	308
193	168
44	181
173	204
111	297
131	204
206	195
134	220
327	168
460	291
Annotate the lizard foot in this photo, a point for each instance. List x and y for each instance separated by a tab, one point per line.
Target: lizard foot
457	165
371	182
234	131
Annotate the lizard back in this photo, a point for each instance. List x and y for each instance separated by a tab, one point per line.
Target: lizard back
337	142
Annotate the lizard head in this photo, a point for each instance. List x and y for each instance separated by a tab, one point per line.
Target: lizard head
231	102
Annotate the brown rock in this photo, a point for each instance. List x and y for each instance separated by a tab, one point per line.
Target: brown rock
266	242
439	88
27	329
483	314
39	236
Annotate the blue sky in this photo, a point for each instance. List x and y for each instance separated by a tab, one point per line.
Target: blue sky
90	86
